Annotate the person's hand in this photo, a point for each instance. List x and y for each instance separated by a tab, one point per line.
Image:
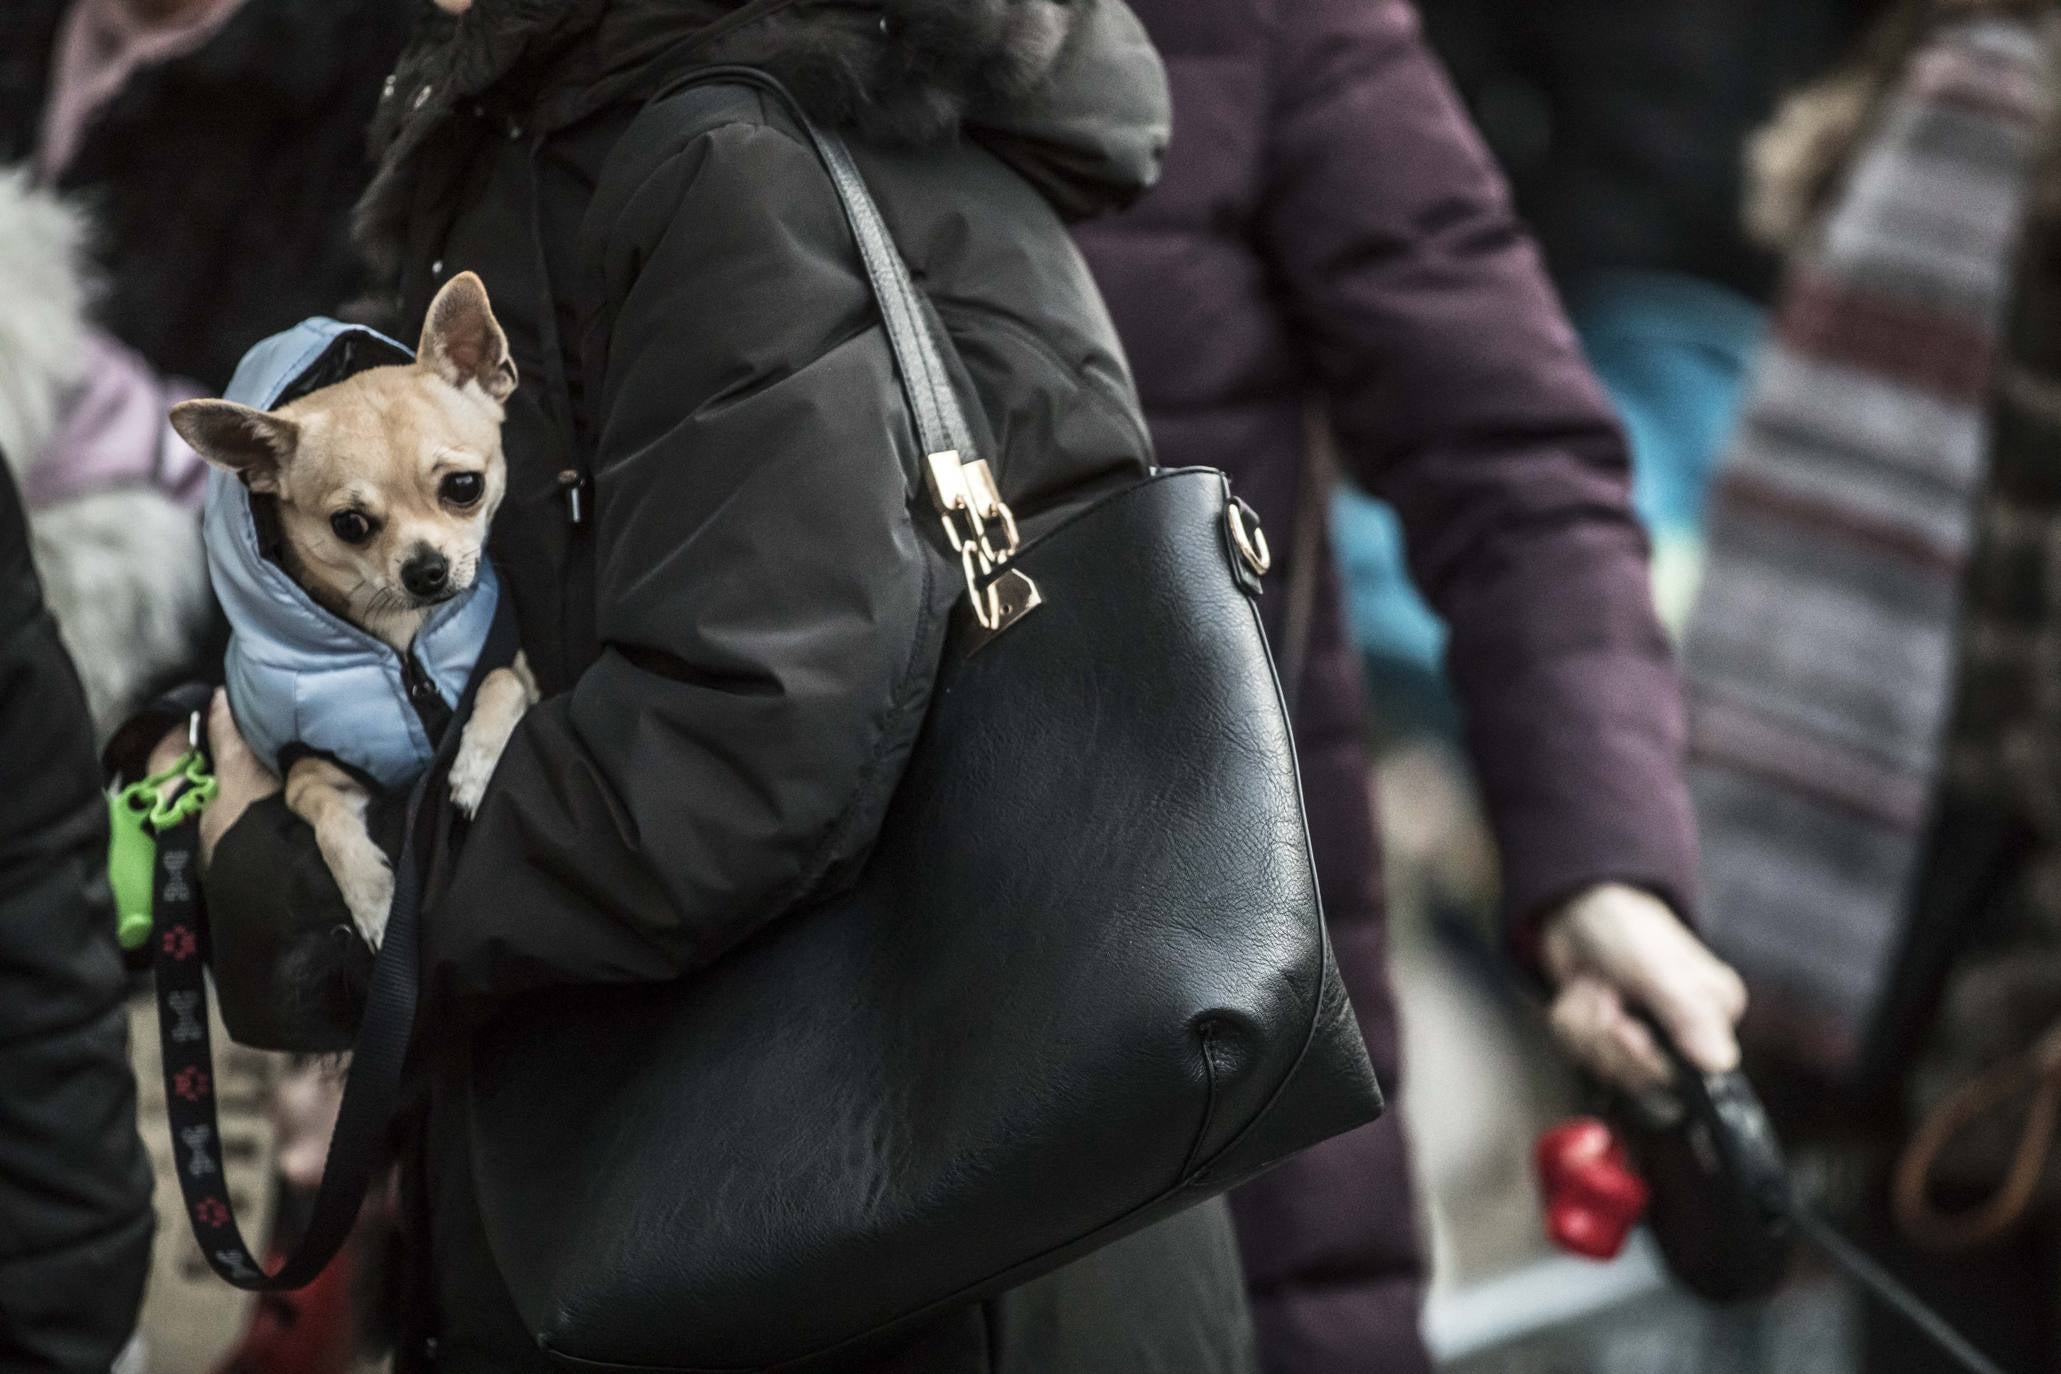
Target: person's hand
1613	947
242	777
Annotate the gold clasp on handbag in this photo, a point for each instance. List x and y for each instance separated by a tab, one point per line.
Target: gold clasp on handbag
974	514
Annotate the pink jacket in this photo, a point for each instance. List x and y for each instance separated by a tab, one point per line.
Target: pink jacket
114	433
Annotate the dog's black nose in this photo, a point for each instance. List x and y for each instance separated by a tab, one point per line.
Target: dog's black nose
426	573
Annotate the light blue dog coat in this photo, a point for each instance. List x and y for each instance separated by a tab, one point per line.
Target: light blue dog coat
297	674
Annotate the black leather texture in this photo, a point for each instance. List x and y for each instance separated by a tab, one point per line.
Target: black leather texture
1080	983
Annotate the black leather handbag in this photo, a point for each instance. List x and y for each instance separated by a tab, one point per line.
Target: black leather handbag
1081	983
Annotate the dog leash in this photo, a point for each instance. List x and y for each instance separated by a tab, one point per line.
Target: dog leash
1859	1266
1723	1207
180	953
1723	1109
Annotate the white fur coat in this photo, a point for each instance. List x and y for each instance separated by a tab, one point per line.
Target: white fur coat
122	567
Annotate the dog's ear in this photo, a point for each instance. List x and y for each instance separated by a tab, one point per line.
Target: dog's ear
462	341
245	441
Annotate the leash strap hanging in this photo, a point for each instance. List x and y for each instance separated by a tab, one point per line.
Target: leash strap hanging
180	958
376	1068
1863	1270
357	1147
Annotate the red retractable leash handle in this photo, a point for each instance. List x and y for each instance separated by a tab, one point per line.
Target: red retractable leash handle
1593	1194
1706	1170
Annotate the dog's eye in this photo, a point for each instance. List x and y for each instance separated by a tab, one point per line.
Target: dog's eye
462	488
351	526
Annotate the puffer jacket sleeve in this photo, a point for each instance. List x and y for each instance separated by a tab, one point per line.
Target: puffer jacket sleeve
75	1217
770	619
1460	395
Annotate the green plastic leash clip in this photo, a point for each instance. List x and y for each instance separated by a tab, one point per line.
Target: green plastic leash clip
137	815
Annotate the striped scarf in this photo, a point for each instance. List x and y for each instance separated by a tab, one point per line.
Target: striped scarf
1821	656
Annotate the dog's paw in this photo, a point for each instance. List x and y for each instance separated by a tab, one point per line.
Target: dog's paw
471	771
503	697
367	883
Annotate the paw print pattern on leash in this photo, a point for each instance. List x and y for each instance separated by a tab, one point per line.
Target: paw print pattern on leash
191	1083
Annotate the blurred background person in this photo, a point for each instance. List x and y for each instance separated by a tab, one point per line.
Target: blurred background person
1874	655
1622	126
209	152
217	147
1330	232
75	1217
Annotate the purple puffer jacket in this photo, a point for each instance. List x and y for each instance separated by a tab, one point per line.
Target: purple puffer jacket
1329	226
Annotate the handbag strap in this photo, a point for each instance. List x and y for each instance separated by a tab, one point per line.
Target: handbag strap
977	521
1306	554
939	418
940	422
378	1056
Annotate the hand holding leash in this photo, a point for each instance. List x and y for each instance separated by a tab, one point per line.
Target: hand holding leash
1615	948
1721	1204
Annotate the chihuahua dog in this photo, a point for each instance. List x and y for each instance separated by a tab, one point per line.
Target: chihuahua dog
385	484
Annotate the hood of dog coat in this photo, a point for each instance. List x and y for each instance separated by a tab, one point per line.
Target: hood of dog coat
300	678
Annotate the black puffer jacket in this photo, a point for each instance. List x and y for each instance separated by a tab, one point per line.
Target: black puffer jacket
736	646
75	1218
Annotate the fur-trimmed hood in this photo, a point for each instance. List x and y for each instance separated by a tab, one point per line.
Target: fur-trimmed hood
1070	92
120	562
1794	164
42	331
